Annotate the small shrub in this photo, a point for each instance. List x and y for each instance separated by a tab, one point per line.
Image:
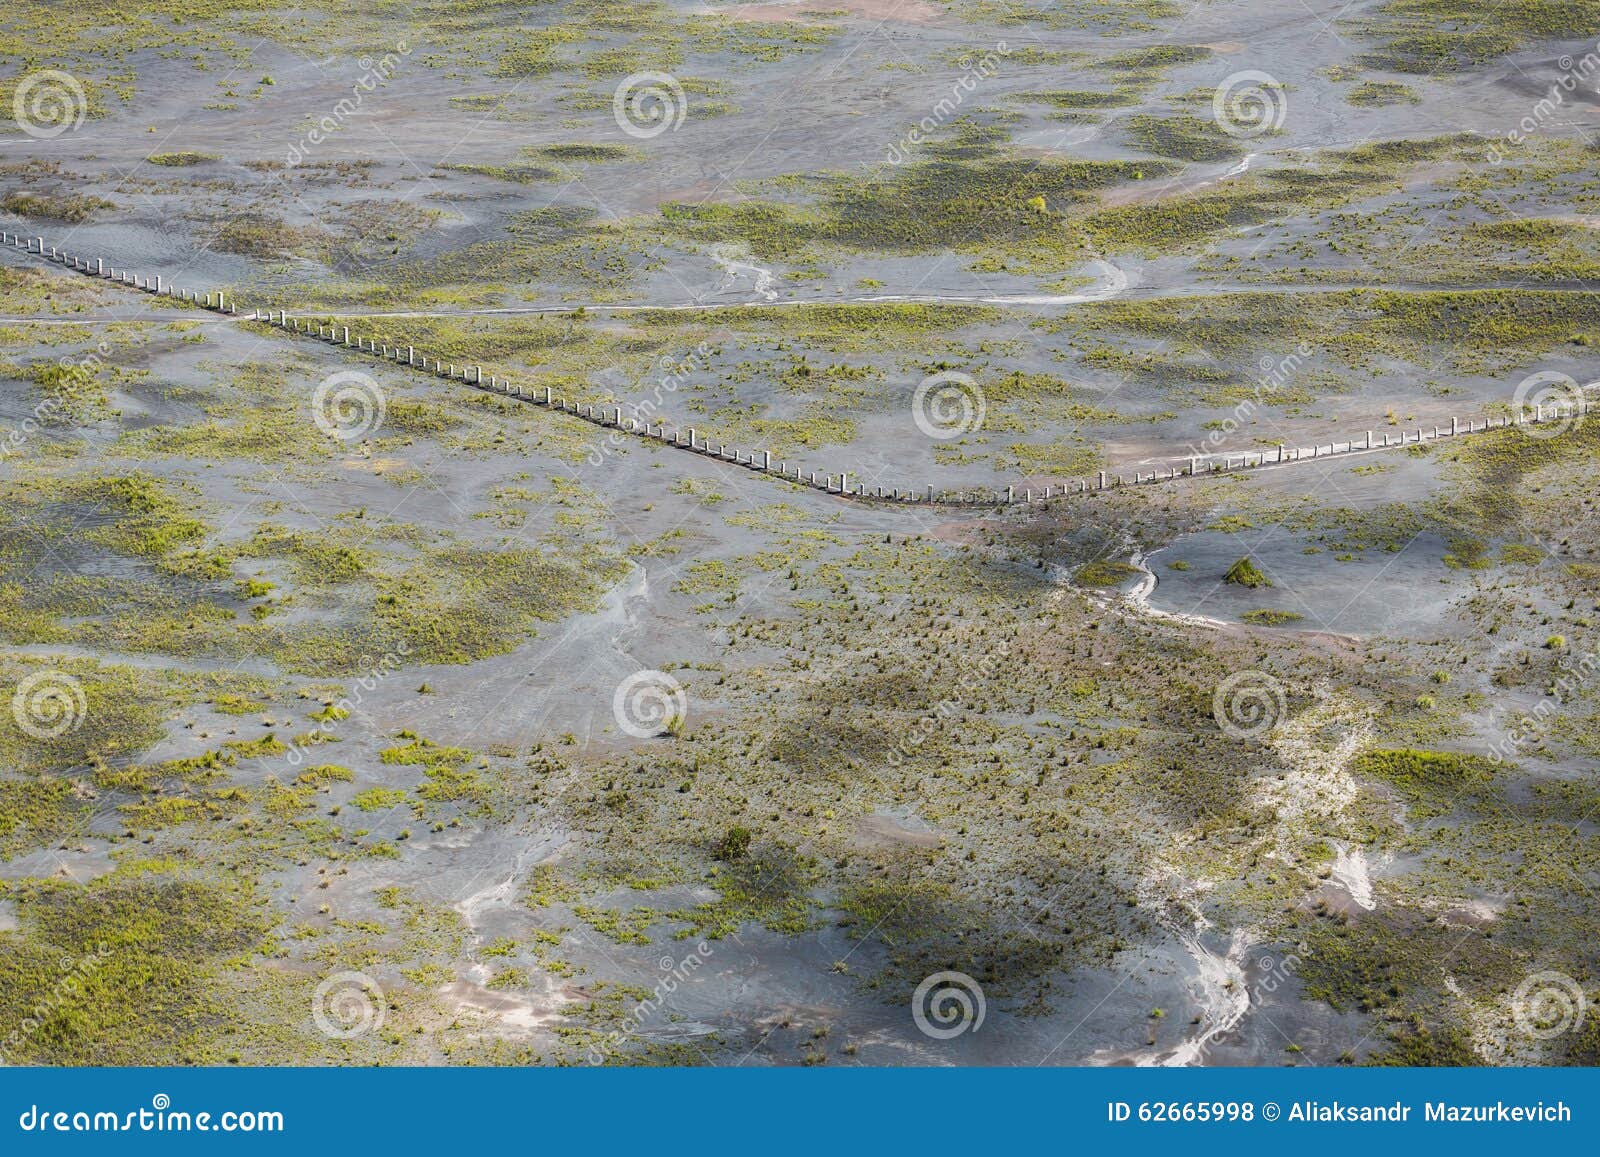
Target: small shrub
1245	573
733	846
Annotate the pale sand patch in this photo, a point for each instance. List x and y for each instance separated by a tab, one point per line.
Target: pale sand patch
507	1011
1311	794
1317	785
1492	1025
1466	913
899	11
376	465
1145	192
1218	987
889	829
1351	871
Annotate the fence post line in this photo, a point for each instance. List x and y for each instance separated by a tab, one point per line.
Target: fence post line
614	415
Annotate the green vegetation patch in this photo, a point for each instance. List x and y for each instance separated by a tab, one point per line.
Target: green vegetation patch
35	813
181	159
125	969
1486	330
579	151
969	195
1435	782
1388	966
1245	573
72	393
519	174
1446	36
72	713
1102	573
1270	617
1192	220
1381	94
1186	138
1079	98
1118	17
68	207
